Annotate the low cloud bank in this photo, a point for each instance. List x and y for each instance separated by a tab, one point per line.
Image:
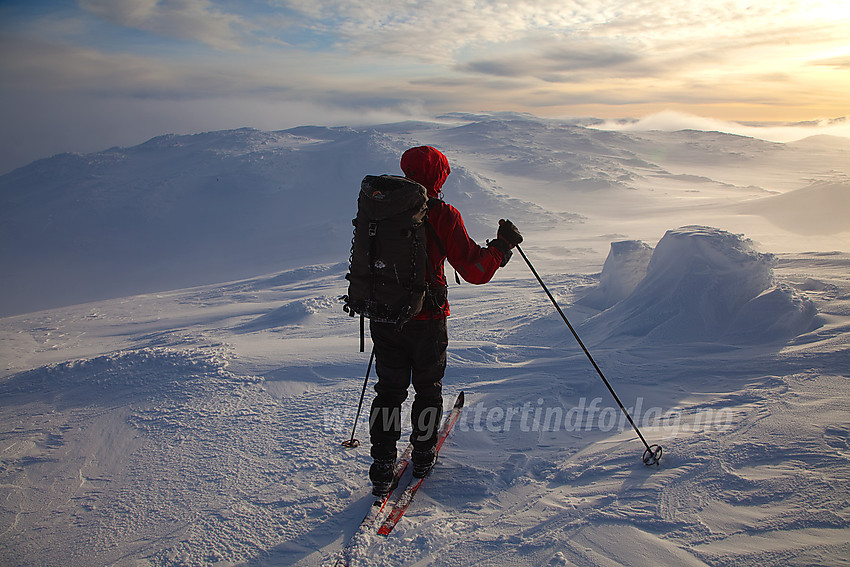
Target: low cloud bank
671	121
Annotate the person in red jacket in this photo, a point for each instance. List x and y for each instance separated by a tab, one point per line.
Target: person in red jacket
417	352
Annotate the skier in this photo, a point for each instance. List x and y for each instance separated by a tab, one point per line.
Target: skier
417	352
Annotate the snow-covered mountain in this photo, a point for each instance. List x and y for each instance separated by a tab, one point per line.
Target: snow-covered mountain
709	274
189	210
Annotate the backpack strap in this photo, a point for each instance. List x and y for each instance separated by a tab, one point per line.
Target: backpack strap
431	202
373	233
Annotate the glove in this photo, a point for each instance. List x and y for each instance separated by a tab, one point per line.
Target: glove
506	238
509	233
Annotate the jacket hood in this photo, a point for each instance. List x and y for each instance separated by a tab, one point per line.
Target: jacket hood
426	165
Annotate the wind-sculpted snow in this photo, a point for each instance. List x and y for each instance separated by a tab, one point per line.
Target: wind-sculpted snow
161	454
146	369
296	312
623	270
702	284
209	432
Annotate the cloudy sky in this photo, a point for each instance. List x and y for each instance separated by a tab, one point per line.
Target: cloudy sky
82	75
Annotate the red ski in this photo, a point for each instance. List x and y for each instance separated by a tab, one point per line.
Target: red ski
406	497
344	556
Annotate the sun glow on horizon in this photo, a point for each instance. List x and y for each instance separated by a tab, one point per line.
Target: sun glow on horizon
110	68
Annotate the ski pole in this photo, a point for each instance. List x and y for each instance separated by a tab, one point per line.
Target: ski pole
652	454
352	443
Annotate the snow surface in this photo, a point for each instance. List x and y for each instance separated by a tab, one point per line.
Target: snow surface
202	426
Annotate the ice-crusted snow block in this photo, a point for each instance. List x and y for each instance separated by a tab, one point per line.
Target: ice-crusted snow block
706	284
623	270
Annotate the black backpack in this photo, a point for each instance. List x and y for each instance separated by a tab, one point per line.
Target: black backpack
388	266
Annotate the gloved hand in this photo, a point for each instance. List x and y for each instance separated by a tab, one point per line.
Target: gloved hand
506	238
509	233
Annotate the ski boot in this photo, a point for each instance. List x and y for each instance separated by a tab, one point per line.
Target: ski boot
381	473
423	462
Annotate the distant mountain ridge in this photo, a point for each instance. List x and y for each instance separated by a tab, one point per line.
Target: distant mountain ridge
183	210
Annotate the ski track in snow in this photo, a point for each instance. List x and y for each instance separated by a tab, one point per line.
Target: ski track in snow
202	426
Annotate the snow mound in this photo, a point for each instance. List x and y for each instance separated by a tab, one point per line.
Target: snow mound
146	368
703	284
292	313
777	313
623	270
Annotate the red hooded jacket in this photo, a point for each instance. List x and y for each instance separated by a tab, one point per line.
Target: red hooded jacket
475	264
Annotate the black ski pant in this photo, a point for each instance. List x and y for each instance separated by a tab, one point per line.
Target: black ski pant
415	354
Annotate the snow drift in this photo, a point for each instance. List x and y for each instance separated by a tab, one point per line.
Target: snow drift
623	270
701	284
